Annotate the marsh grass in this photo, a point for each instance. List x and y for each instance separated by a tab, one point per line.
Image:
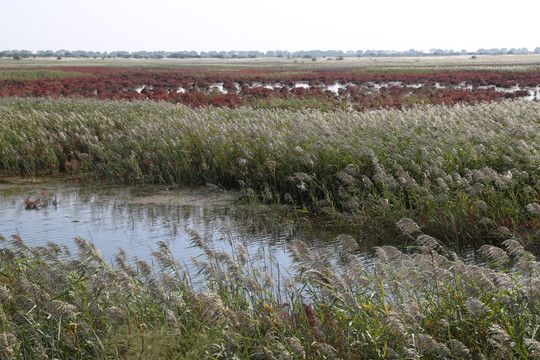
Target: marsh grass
37	74
460	172
323	104
426	303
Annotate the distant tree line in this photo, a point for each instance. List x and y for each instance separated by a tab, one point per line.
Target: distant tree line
338	54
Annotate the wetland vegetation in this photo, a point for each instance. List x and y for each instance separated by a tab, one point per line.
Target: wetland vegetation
459	171
435	175
427	304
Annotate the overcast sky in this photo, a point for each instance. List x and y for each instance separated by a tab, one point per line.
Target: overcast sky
203	25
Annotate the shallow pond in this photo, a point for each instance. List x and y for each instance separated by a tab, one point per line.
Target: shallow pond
136	218
533	93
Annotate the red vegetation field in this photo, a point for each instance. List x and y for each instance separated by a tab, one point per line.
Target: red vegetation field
232	88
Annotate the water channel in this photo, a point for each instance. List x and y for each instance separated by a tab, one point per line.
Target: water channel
533	93
135	218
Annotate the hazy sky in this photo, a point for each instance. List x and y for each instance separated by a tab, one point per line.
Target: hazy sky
203	25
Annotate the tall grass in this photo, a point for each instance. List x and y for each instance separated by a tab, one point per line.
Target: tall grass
459	171
424	304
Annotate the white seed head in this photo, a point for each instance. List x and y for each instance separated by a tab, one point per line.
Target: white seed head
493	252
407	226
348	242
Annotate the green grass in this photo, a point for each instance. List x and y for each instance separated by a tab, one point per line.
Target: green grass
295	104
37	74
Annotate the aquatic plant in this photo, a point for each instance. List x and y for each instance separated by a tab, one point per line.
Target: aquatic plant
45	200
267	88
459	171
370	163
423	303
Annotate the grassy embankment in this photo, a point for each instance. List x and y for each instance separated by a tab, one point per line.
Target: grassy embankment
459	171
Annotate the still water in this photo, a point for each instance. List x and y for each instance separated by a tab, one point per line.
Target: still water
135	218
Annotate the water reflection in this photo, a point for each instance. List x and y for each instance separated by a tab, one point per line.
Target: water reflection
533	93
136	218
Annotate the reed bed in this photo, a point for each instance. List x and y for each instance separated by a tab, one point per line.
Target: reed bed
459	171
425	303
